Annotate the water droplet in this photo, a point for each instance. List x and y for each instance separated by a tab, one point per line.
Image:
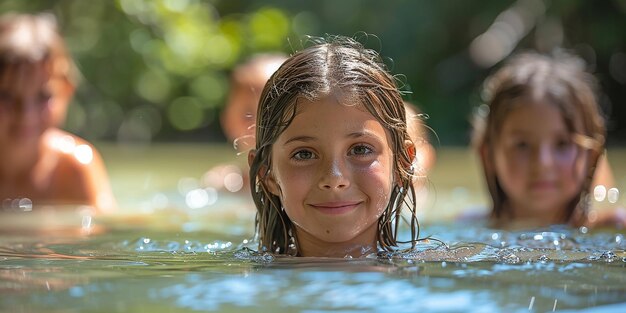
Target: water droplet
599	193
233	182
25	204
86	222
267	258
187	184
613	195
212	195
608	256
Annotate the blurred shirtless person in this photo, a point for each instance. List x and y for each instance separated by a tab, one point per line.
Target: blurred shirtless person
41	164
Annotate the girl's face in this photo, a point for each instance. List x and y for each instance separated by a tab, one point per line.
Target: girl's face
24	106
333	171
240	111
537	164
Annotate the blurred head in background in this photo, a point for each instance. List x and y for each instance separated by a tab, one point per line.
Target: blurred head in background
247	82
36	77
540	135
38	161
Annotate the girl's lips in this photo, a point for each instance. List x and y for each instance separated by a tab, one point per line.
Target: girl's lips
542	185
336	207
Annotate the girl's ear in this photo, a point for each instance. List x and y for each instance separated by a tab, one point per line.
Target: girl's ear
272	185
251	155
264	175
410	149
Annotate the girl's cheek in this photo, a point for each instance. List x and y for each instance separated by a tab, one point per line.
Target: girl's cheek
573	162
368	166
374	168
294	174
580	166
45	118
511	155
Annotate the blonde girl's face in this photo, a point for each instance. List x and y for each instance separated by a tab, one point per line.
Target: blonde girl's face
332	169
537	164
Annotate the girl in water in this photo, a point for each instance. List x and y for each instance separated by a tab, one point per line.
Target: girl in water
332	167
40	164
540	137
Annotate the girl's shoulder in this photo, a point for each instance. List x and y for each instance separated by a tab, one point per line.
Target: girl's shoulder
76	170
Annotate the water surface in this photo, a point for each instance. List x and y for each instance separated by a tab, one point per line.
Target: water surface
162	255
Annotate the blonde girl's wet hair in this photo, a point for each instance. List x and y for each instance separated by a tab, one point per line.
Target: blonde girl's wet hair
330	65
559	80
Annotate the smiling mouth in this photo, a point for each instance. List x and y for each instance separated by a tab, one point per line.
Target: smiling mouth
336	207
542	185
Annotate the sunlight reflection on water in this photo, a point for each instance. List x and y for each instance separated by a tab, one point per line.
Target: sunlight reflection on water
210	269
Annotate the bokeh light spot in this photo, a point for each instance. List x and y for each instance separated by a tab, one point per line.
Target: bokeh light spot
84	154
185	113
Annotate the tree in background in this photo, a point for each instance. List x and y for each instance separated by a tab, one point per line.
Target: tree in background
158	69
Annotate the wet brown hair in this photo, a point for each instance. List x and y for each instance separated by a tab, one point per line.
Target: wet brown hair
32	39
559	80
31	42
333	64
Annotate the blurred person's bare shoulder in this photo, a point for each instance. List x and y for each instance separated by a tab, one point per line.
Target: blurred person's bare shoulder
74	170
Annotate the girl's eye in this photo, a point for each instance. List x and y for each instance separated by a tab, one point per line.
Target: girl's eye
44	98
563	144
361	150
303	155
521	145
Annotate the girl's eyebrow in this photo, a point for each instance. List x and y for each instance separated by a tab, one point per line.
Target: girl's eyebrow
365	133
301	138
357	134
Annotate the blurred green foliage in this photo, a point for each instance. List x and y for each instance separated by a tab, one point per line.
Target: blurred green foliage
158	69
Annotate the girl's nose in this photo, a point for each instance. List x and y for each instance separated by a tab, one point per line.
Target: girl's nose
333	175
27	111
544	156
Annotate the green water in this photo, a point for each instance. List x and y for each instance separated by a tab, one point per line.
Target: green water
160	255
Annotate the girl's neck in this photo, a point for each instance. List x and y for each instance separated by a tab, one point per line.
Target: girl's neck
19	163
15	163
361	245
519	216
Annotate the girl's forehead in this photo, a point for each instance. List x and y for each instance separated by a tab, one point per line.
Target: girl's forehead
336	98
534	103
333	119
538	116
